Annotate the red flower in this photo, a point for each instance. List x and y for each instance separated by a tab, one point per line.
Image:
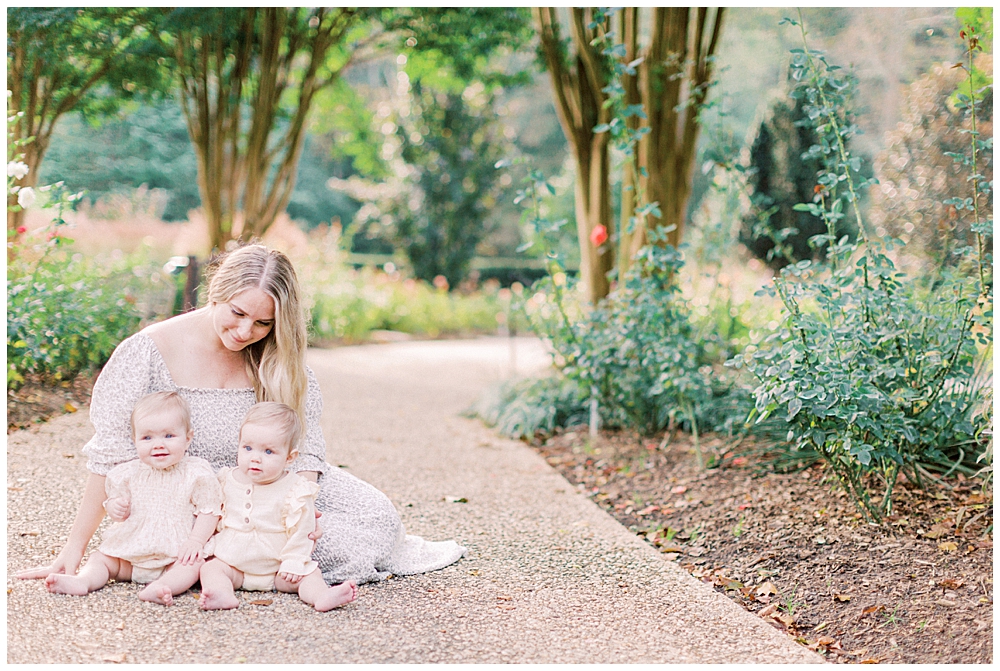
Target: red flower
599	235
22	229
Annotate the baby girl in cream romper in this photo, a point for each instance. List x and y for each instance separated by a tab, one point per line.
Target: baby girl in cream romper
265	528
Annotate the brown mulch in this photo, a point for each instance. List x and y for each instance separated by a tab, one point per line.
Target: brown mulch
793	548
36	402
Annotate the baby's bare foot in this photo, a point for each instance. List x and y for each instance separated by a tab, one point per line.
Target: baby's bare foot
212	600
60	583
160	594
336	596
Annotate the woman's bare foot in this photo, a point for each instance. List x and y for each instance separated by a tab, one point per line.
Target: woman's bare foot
157	593
60	583
212	600
339	595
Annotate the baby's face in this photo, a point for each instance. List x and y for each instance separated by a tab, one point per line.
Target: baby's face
264	453
161	439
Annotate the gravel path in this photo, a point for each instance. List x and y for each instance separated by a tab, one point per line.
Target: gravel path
549	577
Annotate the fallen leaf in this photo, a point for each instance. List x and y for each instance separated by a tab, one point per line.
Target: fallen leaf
946	603
120	626
117	659
785	619
768	610
947	547
648	509
679	489
937	531
455	499
951	583
870	660
766	589
671	548
825	641
33	532
69	407
841	597
872	609
671	556
821	626
503	597
728	584
69	455
506	606
474	571
11	488
261	602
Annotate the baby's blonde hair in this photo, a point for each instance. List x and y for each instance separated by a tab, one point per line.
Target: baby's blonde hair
279	415
159	401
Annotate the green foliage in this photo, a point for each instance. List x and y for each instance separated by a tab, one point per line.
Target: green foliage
876	372
451	142
527	408
148	145
66	313
347	305
779	177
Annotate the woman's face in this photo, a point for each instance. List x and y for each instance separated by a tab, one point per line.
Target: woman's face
245	319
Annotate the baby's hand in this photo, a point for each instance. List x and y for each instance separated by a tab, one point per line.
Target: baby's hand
118	509
290	577
189	552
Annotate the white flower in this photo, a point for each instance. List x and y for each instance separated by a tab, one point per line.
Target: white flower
16	169
26	197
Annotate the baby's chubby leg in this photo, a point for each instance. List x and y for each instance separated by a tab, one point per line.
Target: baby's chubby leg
94	575
218	582
314	591
176	579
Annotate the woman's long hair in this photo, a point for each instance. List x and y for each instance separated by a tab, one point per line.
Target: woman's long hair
276	363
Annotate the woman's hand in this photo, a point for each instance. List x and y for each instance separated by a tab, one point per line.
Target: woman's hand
62	564
118	509
316	533
189	552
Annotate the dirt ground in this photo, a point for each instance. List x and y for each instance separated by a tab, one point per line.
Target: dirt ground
793	549
36	402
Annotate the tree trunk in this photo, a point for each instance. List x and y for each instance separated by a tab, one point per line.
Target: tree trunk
675	78
246	170
580	107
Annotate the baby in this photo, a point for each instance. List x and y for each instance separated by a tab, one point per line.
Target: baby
164	506
267	515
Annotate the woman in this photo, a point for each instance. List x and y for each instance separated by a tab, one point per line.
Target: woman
247	345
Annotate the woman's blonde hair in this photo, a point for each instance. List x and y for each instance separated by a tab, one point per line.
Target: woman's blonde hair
276	363
279	416
160	401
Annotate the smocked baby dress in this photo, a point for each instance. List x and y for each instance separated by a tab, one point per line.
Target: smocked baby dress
163	504
265	529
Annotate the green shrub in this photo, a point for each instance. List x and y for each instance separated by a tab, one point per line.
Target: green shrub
877	372
66	313
527	408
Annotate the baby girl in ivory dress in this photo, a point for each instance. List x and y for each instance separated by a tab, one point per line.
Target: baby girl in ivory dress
164	505
267	514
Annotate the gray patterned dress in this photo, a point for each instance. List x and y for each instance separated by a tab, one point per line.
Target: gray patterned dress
363	538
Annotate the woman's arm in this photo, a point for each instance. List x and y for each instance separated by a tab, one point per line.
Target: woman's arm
88	518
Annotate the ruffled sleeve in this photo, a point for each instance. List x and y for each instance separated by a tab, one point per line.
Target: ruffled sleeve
125	379
312	450
299	516
206	492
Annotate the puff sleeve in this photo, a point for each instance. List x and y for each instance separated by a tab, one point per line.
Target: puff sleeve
312	450
206	493
117	483
125	379
299	517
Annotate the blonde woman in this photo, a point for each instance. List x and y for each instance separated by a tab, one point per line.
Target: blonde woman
246	345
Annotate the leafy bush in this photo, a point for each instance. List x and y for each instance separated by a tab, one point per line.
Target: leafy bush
66	313
526	408
347	305
877	372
